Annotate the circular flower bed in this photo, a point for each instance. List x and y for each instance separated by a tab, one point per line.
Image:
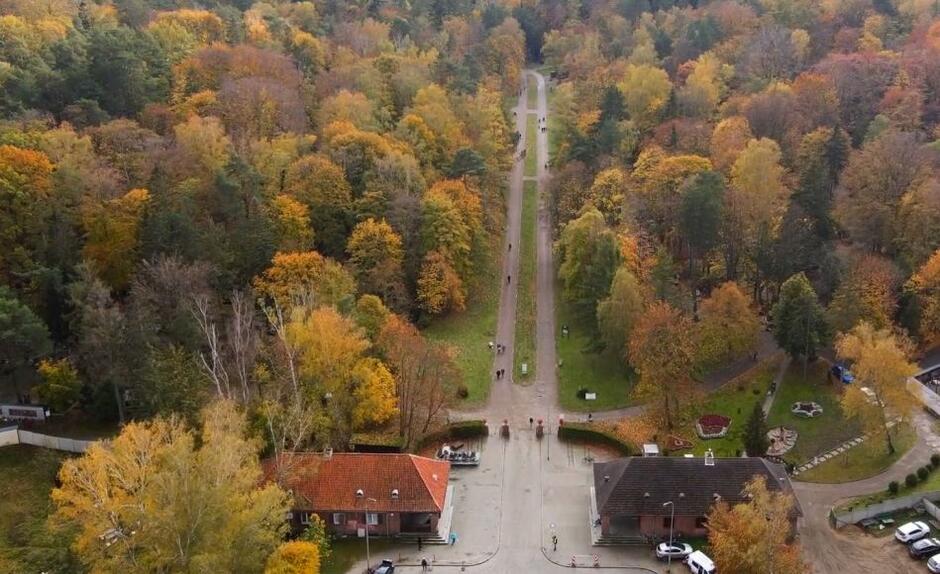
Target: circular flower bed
806	409
712	426
781	440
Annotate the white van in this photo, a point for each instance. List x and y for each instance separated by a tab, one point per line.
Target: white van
699	563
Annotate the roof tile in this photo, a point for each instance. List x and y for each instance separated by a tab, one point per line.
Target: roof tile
330	484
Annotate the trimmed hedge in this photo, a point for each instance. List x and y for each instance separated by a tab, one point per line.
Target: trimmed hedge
375	442
461	429
589	433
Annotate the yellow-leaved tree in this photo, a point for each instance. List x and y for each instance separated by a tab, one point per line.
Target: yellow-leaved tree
728	327
292	223
359	390
295	557
746	537
305	279
880	362
111	229
156	499
440	289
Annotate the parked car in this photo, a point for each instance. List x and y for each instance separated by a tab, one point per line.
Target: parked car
699	563
676	550
924	547
934	564
386	567
841	373
911	531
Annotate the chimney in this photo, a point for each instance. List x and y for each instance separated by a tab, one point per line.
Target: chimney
709	458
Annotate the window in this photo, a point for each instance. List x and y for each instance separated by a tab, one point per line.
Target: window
372	518
701	522
304	517
339	519
667	522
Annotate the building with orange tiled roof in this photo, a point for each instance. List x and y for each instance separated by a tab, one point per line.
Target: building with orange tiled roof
391	494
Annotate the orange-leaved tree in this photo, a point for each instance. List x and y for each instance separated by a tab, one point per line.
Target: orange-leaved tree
746	537
661	351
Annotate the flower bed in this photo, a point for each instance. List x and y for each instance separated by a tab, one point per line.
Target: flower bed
712	426
674	443
781	440
806	409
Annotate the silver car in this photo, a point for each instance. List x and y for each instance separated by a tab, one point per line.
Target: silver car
677	551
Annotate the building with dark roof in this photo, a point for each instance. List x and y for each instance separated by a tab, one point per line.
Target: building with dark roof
390	494
631	494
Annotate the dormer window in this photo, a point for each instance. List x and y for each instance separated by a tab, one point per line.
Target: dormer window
394	494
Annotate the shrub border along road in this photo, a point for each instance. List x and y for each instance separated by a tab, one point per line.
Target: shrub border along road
588	432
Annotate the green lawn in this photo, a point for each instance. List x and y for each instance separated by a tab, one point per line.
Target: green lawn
525	299
735	400
347	551
816	435
863	461
582	366
531	145
27	544
470	331
533	93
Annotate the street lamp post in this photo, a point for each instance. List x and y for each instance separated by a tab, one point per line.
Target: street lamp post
361	494
672	521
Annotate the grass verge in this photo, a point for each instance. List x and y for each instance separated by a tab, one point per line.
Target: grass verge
531	145
532	93
27	543
582	366
864	461
819	434
525	299
470	331
346	552
932	483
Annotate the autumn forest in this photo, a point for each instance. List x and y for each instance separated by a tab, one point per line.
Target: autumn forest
238	228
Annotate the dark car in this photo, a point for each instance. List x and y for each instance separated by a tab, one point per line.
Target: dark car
924	547
386	567
841	373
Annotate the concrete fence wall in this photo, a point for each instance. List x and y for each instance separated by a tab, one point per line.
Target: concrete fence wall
8	436
932	509
13	435
854	516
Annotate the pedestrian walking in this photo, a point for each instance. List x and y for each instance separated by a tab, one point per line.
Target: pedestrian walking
420	544
508	279
453	538
510	246
554	542
530	422
424	565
